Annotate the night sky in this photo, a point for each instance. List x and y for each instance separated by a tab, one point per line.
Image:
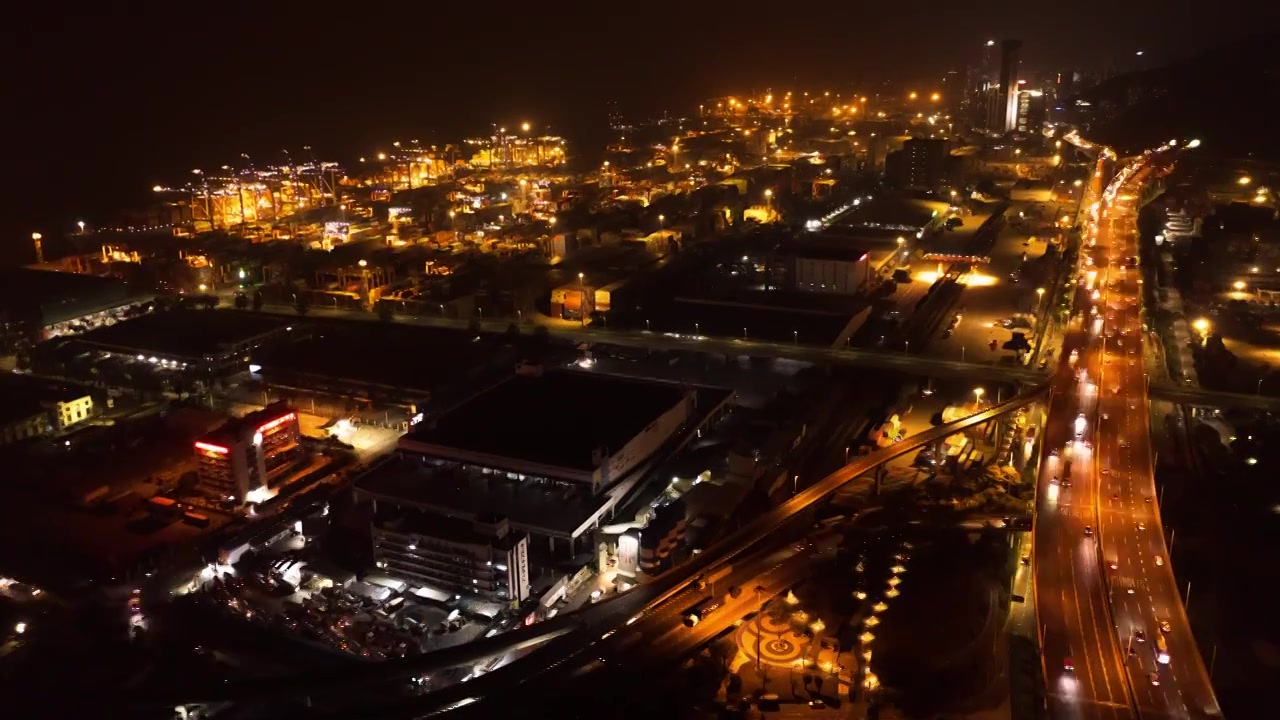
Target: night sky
106	104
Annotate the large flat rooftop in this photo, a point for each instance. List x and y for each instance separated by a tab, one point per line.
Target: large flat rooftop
445	527
557	419
461	492
59	296
409	358
186	333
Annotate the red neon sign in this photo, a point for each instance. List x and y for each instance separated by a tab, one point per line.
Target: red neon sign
208	447
273	424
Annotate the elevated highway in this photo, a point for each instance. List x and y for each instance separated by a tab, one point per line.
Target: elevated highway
888	360
1199	397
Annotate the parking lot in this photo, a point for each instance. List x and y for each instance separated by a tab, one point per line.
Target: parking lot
377	619
999	298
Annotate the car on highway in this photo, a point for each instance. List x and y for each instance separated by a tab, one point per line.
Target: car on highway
1142	526
1139	635
1068	665
1155	679
1088	531
1165	626
1159	561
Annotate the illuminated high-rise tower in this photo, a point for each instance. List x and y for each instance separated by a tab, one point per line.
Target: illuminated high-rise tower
1009	71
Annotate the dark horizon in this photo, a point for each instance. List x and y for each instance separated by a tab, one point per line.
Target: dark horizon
113	103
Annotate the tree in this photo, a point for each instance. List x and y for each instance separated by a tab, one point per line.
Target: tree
1018	343
474	326
301	304
541	334
257	300
513	333
242	301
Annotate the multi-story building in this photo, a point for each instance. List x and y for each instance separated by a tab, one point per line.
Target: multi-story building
1010	73
240	461
32	408
921	164
1031	111
483	556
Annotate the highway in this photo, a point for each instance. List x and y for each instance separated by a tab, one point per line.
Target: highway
1103	583
1084	671
1183	395
914	364
1144	591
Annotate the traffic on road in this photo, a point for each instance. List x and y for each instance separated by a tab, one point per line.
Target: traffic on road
1115	637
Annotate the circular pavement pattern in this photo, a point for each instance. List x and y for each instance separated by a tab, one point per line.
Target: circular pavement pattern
771	642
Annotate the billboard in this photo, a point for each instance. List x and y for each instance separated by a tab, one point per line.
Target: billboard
629	553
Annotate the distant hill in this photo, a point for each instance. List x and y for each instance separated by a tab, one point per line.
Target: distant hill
1223	97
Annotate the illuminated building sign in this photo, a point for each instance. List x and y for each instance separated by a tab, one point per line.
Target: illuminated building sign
273	424
209	447
336	229
398	212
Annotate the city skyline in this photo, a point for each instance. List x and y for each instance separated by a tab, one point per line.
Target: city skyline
146	95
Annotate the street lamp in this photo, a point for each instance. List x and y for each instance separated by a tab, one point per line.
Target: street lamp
978	393
524	127
80	224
